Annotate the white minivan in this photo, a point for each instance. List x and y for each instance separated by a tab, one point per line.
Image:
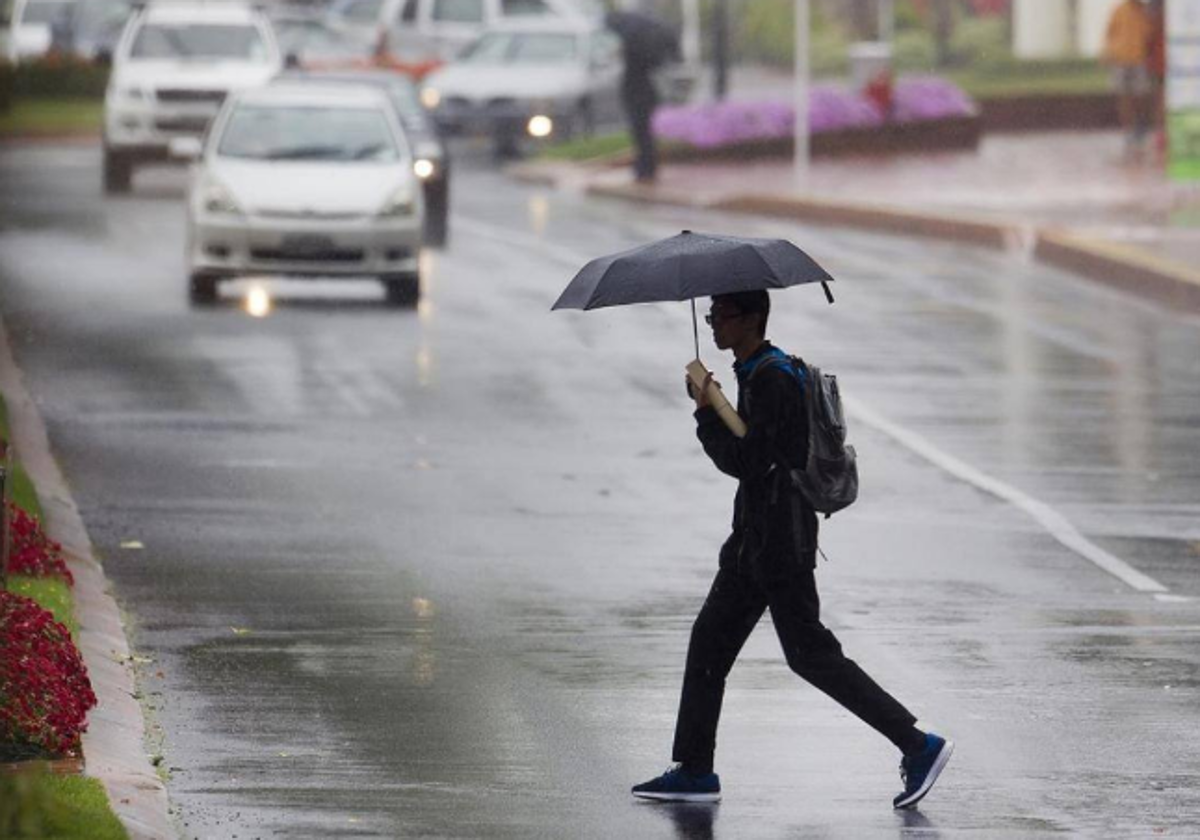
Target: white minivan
437	30
173	67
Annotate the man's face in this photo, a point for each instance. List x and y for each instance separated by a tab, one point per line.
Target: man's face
729	324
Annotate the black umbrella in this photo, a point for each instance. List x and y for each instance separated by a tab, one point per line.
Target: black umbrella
688	266
647	41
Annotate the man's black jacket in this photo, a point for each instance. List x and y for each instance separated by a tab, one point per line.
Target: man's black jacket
773	526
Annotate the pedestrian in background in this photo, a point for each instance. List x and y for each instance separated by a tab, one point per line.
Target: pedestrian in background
1126	50
769	562
646	44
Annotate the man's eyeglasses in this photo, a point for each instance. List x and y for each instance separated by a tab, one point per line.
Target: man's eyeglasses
714	317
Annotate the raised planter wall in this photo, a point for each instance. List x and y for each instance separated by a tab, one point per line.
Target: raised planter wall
1049	112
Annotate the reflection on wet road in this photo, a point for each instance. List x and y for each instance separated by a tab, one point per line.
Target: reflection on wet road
424	573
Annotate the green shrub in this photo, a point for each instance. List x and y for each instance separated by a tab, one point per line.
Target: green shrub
6	86
913	50
766	32
981	41
59	77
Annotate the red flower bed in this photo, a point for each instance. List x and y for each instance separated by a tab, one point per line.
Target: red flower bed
31	551
45	693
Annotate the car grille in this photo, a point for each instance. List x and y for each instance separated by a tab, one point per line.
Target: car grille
188	124
309	215
330	255
216	97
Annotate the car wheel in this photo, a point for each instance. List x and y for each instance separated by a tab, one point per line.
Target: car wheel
402	289
118	173
202	288
437	212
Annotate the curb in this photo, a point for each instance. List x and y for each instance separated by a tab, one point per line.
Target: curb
1124	267
112	746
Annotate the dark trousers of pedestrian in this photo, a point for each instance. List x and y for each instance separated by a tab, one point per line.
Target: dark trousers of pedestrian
640	100
735	603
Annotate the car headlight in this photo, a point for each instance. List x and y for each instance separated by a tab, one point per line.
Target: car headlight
430	97
424	168
401	203
540	125
217	200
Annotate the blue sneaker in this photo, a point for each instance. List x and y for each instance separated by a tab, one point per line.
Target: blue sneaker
919	772
676	785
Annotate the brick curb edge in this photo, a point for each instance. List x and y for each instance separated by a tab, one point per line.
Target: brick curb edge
1122	267
113	745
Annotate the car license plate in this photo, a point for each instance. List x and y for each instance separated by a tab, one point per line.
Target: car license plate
306	244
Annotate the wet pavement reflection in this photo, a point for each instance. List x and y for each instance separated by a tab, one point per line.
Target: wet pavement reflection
431	572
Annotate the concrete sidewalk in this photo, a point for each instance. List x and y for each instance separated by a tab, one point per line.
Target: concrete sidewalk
1070	199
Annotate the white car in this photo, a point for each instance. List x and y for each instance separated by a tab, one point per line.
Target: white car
534	81
27	27
174	65
437	30
304	179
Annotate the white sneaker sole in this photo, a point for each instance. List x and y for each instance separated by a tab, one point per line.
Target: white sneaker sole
939	764
680	797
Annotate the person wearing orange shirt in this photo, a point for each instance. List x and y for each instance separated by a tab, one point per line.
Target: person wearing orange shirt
1126	50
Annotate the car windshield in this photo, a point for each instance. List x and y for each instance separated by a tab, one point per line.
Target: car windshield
210	41
288	132
523	48
46	11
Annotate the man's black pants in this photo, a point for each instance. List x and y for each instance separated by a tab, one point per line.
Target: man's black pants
734	605
640	100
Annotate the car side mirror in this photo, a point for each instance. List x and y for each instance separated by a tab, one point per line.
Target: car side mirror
186	148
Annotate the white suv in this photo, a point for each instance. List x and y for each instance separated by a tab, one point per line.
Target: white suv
172	69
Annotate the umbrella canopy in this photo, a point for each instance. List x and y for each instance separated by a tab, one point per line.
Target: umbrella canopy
647	41
688	266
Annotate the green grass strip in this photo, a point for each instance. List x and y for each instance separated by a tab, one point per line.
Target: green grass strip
51	594
34	117
588	148
23	493
54	807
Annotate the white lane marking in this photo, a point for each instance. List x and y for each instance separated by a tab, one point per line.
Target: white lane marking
1054	522
1050	519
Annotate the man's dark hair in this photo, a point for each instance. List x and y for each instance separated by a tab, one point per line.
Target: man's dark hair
749	303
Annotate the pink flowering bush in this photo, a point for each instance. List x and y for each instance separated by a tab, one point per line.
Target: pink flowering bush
830	108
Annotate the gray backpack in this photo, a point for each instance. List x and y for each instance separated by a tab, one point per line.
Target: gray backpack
829	479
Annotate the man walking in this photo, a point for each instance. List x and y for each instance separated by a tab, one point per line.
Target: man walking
646	44
769	561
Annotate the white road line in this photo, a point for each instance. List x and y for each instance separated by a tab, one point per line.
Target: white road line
1050	519
1054	522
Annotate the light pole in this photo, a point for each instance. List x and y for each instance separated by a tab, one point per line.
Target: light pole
800	126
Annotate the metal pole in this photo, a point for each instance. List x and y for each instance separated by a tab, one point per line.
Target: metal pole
720	49
800	127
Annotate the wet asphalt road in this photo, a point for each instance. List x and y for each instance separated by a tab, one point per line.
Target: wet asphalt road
430	573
